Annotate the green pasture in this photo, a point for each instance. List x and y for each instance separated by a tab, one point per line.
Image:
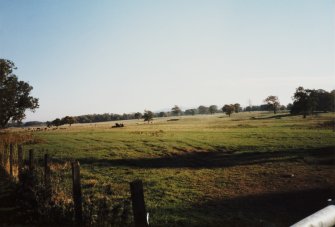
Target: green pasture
203	170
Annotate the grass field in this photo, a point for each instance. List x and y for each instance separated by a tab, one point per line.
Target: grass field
252	169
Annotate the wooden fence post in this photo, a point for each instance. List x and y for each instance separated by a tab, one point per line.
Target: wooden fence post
1	154
46	170
47	179
19	160
11	150
137	199
5	155
77	197
31	159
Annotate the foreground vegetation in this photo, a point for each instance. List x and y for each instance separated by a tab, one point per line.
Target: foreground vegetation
249	169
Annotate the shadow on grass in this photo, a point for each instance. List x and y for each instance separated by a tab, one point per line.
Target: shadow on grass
321	156
270	209
276	116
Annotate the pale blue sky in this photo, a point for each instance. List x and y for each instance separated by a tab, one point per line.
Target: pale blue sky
86	57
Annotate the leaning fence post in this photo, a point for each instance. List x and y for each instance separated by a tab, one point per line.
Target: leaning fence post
47	181
11	150
77	199
19	159
137	199
31	159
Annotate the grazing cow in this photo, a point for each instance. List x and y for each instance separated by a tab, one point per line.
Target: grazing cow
117	125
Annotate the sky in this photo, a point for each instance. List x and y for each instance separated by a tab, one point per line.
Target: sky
85	57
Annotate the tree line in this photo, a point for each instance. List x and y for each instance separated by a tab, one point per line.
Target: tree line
309	101
15	99
305	102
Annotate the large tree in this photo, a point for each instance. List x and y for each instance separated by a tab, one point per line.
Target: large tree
237	107
138	115
228	109
57	122
324	99
273	102
303	102
148	116
162	114
176	111
203	110
213	109
307	101
15	96
67	120
190	112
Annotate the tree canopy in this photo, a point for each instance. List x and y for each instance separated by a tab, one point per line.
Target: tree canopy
176	110
67	120
307	101
273	102
237	107
228	109
137	115
203	109
190	111
15	96
57	122
148	116
213	109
